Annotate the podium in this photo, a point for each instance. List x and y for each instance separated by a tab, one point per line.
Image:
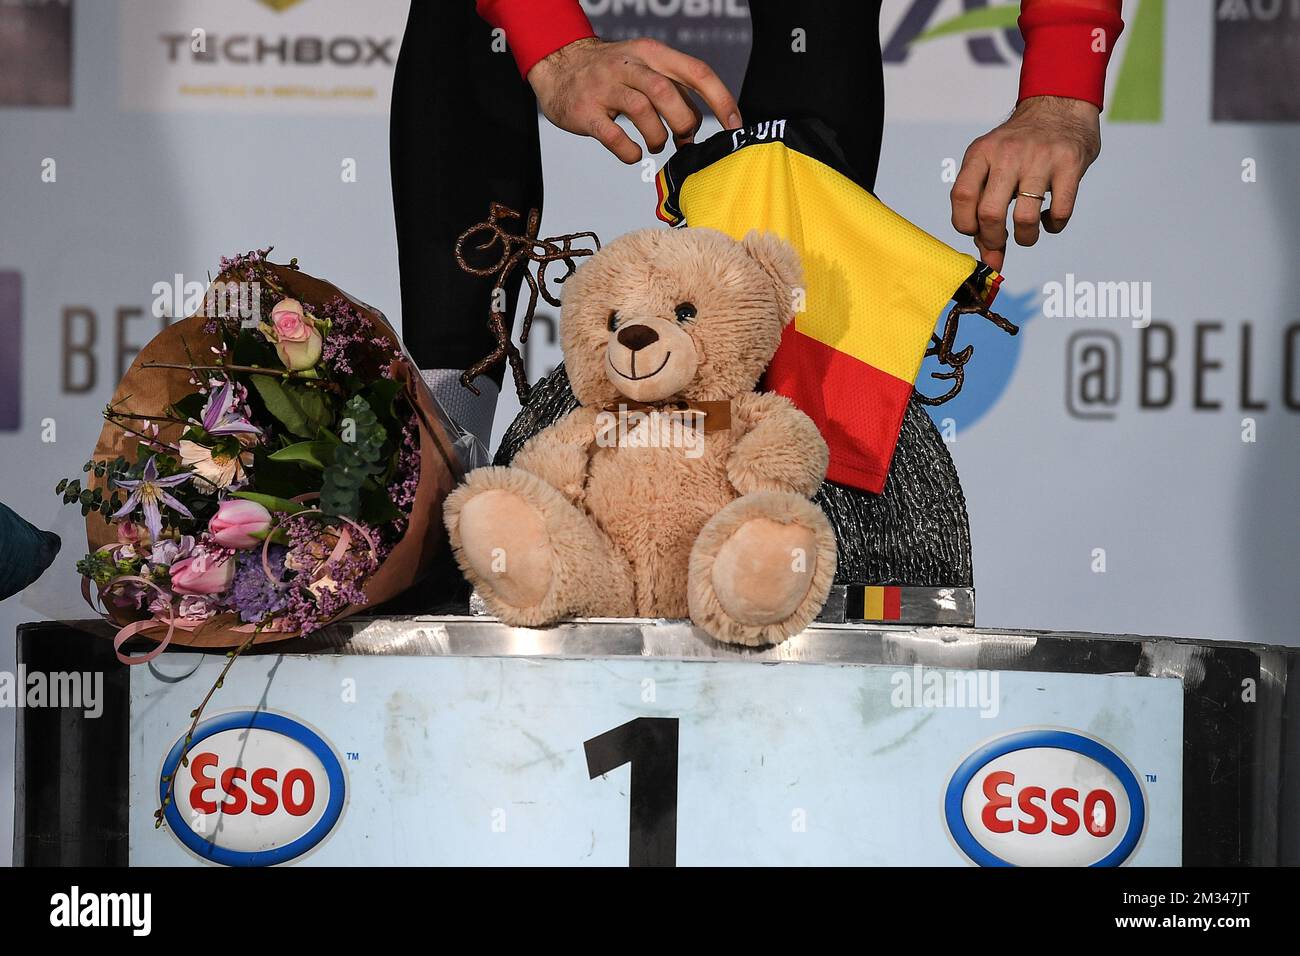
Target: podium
457	740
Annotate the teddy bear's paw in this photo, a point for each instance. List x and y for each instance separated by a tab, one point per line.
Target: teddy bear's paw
761	569
532	555
504	540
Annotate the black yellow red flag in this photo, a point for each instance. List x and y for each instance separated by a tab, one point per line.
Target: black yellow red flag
874	283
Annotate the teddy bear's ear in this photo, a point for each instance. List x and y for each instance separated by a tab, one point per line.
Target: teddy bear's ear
781	262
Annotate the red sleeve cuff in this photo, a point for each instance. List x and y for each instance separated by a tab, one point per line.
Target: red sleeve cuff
535	28
1067	49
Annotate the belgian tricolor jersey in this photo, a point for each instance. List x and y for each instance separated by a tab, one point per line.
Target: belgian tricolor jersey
874	284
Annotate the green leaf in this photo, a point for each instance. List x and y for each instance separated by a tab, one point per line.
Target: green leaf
360	456
286	479
313	454
301	410
252	348
380	396
277	536
191	406
271	502
377	507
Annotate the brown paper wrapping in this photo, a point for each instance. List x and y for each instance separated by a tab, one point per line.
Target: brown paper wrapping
150	390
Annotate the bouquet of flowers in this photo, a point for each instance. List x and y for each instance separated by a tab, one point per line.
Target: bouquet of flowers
267	465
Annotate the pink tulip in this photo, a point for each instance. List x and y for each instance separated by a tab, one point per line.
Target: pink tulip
237	522
203	573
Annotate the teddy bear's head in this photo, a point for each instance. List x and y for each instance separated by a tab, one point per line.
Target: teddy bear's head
676	313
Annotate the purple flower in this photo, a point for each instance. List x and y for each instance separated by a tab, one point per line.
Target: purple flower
252	594
221	415
167	552
406	478
323	588
148	492
351	346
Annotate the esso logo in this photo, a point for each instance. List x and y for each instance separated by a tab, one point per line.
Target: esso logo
259	788
1045	797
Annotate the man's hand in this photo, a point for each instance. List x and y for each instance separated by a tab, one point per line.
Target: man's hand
582	87
1046	146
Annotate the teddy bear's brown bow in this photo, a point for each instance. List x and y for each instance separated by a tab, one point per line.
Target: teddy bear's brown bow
717	415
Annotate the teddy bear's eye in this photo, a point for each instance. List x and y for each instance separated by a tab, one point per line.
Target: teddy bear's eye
613	321
685	312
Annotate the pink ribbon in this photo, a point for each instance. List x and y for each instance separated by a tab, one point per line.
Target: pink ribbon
194	623
139	627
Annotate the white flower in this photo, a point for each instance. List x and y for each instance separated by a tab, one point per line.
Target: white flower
196	606
218	469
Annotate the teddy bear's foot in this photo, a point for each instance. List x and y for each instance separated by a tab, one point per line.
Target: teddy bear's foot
761	568
531	555
504	540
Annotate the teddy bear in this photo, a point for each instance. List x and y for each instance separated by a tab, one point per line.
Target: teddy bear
674	489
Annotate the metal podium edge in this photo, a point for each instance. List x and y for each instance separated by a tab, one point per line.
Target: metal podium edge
821	642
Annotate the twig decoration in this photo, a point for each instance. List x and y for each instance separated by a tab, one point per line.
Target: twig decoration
516	248
196	715
941	347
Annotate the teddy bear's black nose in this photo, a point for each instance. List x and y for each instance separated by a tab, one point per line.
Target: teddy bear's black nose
637	337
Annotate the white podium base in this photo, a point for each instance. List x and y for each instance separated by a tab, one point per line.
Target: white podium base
461	741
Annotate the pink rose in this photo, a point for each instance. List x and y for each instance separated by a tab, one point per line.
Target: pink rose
300	356
203	573
237	521
297	341
289	322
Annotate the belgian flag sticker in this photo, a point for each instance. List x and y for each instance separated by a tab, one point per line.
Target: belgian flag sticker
874	603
